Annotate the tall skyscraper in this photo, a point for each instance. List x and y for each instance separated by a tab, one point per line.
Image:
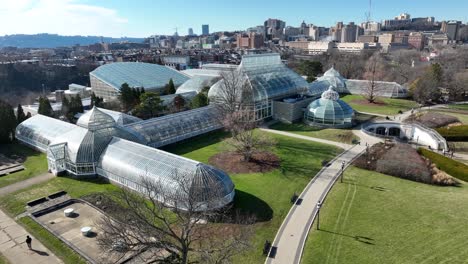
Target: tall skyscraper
190	31
205	29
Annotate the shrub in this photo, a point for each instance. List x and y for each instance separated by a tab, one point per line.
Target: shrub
450	166
454	133
441	178
404	162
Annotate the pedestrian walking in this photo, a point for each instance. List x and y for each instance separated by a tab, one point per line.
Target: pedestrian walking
28	241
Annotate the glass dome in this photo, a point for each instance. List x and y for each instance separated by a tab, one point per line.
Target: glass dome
329	110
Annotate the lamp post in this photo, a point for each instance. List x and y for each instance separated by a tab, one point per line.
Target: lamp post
342	170
319	204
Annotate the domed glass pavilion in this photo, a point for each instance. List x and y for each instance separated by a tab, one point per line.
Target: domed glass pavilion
329	111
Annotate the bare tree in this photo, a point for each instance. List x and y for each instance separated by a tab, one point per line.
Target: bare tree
374	72
404	68
168	226
236	109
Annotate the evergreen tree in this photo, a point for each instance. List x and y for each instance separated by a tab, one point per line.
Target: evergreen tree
170	87
20	116
179	102
126	97
311	69
150	106
437	73
96	101
44	107
66	107
199	100
8	122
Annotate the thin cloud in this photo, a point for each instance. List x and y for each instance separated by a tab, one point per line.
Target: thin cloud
65	17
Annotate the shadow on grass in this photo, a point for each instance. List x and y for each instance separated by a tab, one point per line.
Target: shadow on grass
17	151
246	203
362	239
196	143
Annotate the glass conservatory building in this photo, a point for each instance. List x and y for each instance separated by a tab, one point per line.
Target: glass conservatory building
329	111
348	86
98	145
107	79
266	78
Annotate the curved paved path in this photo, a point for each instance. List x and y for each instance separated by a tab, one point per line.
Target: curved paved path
290	239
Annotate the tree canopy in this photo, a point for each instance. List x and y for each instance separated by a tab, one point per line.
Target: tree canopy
8	122
170	87
311	69
20	116
44	107
150	105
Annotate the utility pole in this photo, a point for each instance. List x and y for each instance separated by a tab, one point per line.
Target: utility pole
319	205
342	170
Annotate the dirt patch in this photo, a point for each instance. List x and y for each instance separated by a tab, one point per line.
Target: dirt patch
433	120
232	162
365	102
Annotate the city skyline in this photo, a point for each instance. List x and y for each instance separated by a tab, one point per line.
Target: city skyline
145	18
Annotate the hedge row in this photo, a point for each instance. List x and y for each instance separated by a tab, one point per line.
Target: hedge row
455	133
450	166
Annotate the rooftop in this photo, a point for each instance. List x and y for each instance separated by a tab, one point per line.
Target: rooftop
138	74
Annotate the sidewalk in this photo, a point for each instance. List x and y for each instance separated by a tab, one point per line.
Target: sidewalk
290	239
14	248
26	183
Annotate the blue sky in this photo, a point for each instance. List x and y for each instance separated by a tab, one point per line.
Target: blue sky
140	18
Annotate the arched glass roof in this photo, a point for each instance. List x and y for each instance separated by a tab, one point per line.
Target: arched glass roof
169	129
130	163
138	74
39	131
267	77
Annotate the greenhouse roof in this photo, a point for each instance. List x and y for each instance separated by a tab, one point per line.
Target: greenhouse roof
172	128
270	78
385	89
197	83
138	74
39	131
178	176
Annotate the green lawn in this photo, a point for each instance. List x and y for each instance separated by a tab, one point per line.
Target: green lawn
35	164
459	106
3	260
267	194
389	107
340	135
14	203
374	218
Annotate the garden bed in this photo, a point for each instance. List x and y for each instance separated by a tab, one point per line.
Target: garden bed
233	162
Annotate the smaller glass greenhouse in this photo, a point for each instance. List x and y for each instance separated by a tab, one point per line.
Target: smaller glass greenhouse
330	111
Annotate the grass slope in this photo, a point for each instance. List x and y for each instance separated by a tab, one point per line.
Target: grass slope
266	194
459	106
450	166
461	115
391	106
340	135
14	203
3	260
374	218
35	163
